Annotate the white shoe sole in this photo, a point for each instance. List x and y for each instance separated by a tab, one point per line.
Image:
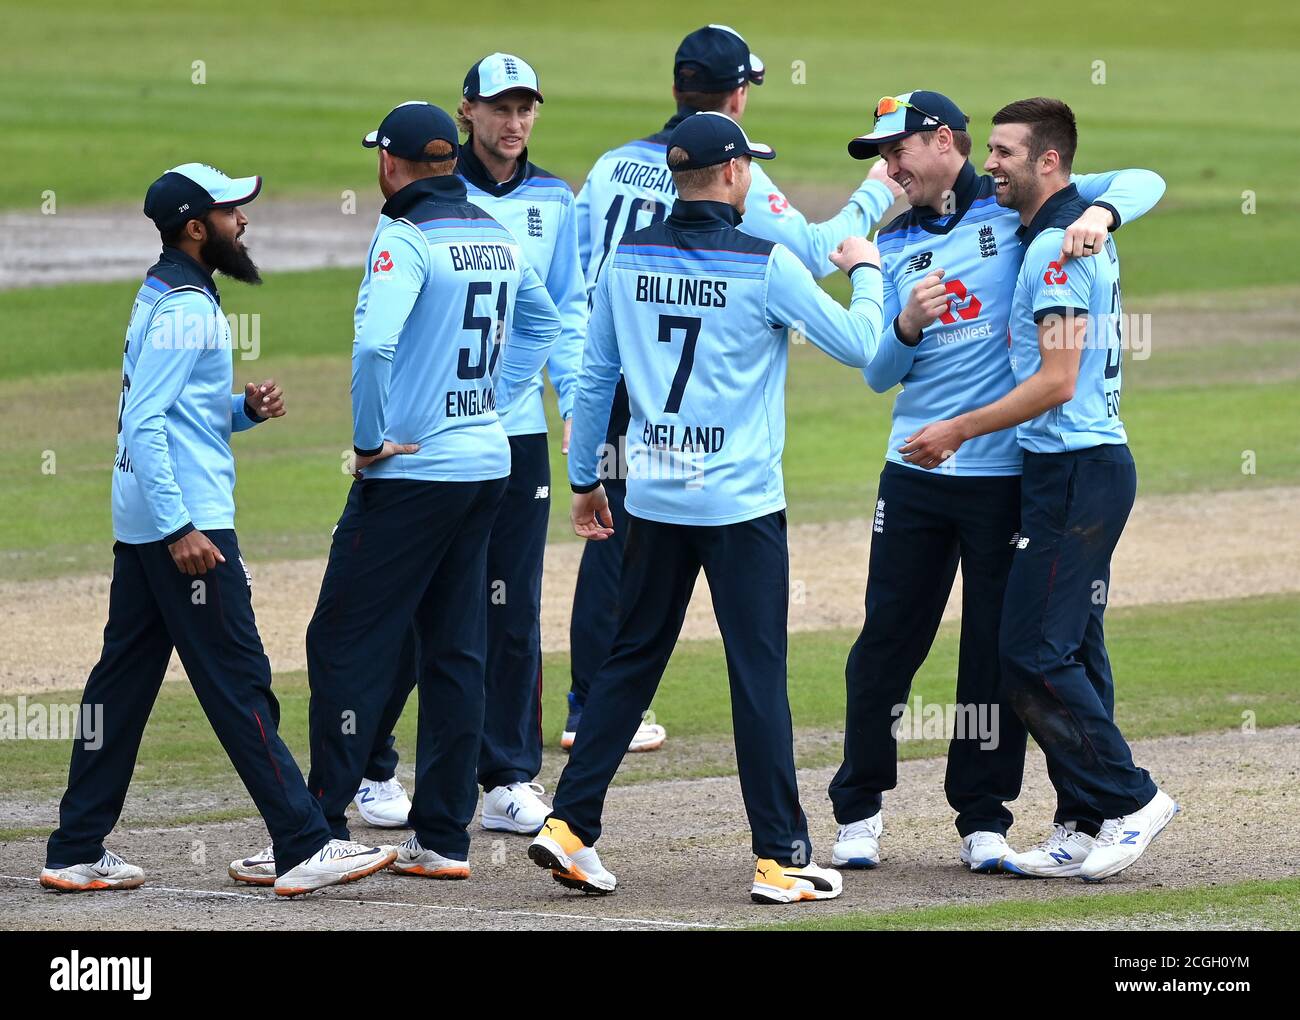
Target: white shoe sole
504	823
1121	865
311	883
546	853
862	863
448	870
64	885
761	892
1021	871
250	877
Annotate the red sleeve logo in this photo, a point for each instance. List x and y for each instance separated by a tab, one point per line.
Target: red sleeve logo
382	264
777	203
1054	277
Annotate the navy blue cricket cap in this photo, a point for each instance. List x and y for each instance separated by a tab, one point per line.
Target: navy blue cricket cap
712	138
188	191
409	128
499	73
715	59
900	116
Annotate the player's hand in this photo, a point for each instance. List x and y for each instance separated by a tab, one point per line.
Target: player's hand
1087	235
590	515
390	449
933	444
265	400
880	172
927	302
853	250
195	554
568	435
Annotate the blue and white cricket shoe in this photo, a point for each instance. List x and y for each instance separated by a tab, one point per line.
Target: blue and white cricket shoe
1123	840
857	845
515	808
383	803
983	852
1061	855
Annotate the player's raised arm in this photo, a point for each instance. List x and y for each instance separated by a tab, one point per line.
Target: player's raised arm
1116	197
796	301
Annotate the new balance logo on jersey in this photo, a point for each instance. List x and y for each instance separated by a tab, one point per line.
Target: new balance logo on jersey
878	525
1019	541
988	243
534	221
920	262
543	492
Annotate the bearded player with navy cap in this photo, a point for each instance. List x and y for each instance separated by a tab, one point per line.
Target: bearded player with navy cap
179	581
949	266
630	187
499	105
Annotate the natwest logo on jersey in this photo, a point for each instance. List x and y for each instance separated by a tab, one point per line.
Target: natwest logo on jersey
382	264
961	303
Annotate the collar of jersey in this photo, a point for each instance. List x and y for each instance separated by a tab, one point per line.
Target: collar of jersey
472	169
170	254
966	189
702	215
683	111
1044	217
447	188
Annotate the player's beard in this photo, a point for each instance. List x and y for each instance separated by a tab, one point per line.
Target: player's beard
230	258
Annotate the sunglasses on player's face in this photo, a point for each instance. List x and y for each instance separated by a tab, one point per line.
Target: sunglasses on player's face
891	104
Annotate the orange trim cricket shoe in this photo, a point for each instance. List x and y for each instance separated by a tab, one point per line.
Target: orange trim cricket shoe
774	883
573	864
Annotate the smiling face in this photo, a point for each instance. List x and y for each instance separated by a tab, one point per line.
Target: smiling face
503	124
922	165
1015	176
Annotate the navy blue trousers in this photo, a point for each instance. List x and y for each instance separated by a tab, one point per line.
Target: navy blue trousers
1055	669
747	566
594	619
153	608
404	551
924	524
511	750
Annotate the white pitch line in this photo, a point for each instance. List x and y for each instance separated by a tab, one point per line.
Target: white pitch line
403	903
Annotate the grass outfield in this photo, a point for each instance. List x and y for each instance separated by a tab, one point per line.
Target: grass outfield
1181	669
98	100
1183	408
1251	905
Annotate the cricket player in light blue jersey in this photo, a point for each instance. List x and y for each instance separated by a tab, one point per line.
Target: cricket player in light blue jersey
1076	495
454	321
696	315
499	105
179	581
949	265
631	187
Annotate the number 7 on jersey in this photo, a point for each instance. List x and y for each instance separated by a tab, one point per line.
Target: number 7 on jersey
690	325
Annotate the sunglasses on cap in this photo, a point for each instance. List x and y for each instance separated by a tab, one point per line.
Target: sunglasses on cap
891	104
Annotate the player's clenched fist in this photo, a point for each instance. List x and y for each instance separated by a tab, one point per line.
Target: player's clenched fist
195	554
1087	235
928	300
265	400
854	251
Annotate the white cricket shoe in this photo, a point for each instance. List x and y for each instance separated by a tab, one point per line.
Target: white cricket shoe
383	803
337	862
572	863
109	872
648	737
1061	855
983	851
858	844
515	808
774	883
1122	840
413	859
256	870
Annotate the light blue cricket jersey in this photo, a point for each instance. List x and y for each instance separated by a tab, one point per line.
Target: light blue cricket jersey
174	470
450	319
961	362
631	187
697	314
1080	286
538	209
